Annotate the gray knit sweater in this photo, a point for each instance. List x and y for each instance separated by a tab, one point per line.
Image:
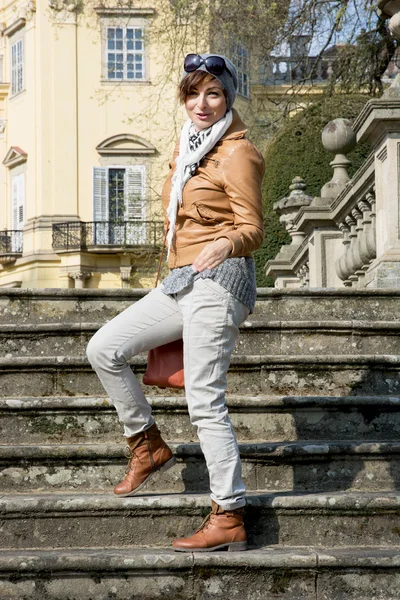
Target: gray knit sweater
237	275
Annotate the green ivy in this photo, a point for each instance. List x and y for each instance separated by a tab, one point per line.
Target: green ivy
297	150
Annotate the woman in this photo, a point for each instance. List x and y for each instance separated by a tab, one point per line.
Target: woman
212	202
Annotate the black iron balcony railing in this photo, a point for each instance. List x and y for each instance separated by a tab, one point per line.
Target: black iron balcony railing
94	234
10	242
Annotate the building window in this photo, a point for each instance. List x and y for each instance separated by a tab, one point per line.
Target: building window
18	201
119	196
17	67
125	53
240	58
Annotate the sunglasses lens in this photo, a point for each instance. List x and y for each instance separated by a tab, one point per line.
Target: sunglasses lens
192	62
215	65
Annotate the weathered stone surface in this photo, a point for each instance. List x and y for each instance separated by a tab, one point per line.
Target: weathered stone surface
331	377
153	574
56	309
250	375
43	344
317	305
88	574
77	419
359	585
299	358
14	309
257	337
257	584
86	306
281	467
67	521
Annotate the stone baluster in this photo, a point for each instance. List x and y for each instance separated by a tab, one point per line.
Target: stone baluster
367	249
341	267
351	255
371	235
304	275
357	245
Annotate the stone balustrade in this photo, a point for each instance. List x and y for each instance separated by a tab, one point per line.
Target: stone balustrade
349	236
291	69
359	242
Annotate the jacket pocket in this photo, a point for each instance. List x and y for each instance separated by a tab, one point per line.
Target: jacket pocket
207	214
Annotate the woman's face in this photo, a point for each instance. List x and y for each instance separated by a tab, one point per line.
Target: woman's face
206	104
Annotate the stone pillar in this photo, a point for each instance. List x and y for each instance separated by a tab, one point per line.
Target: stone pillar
282	268
79	277
379	125
126	273
288	208
339	138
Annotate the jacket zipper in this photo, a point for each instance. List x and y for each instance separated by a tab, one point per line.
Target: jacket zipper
215	161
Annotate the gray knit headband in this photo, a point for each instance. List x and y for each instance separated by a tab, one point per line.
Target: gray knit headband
227	80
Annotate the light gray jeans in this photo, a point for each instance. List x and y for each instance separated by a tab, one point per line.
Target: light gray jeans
207	316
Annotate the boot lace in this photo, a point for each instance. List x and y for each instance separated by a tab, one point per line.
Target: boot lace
205	524
131	456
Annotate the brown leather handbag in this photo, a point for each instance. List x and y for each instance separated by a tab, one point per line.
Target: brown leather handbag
165	366
165	363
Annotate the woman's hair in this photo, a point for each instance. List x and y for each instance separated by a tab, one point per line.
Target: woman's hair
191	81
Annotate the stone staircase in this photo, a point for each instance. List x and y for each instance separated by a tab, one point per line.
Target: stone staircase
314	394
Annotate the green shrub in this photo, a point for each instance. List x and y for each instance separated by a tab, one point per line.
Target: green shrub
297	150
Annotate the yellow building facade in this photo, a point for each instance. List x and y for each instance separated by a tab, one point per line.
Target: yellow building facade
88	120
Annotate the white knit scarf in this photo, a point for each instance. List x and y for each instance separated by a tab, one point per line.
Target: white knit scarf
185	160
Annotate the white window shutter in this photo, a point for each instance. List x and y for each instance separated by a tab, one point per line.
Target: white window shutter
13	69
100	194
18	201
135	208
21	201
21	74
14	202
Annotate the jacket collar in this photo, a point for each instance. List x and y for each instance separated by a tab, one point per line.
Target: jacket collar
237	128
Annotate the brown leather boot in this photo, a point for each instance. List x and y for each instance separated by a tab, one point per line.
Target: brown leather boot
148	453
220	530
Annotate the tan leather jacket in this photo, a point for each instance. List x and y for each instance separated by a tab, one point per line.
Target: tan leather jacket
223	199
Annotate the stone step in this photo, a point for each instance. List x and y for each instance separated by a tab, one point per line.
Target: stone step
257	336
29	420
88	520
342	375
280	467
85	306
295	573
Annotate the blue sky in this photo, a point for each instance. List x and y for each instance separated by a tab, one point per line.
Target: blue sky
355	20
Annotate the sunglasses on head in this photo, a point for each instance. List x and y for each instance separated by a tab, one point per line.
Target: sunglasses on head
214	64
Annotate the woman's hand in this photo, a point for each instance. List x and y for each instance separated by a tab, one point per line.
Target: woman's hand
213	255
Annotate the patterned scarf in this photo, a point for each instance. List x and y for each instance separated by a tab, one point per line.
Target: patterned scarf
192	148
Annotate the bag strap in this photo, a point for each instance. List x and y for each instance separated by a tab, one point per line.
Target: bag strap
161	257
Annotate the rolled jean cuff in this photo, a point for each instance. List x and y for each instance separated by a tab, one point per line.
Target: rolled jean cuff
229	504
129	432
